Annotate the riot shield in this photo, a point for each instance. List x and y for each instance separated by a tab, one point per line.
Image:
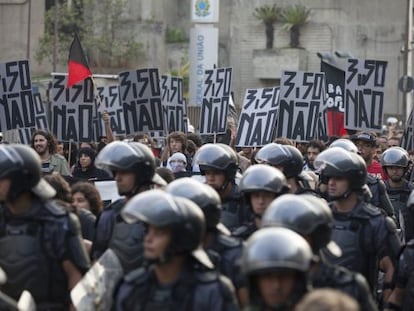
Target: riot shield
95	290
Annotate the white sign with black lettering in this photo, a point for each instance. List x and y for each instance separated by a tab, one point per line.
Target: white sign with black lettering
109	102
258	117
73	110
25	134
301	97
16	101
407	140
216	97
364	94
173	105
140	95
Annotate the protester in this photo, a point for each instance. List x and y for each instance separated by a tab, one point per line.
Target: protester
327	300
86	169
313	148
178	275
45	145
176	142
54	257
86	196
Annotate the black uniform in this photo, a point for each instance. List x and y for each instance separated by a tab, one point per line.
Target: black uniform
233	213
33	247
126	240
365	236
194	290
380	198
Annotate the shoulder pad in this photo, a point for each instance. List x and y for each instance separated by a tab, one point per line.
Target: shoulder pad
117	205
371	179
370	209
55	209
342	275
410	185
390	224
206	276
410	243
228	241
137	276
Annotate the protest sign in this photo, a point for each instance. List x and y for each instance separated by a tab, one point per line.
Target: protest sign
73	110
258	117
140	95
335	89
364	94
173	105
110	102
216	97
16	101
25	134
407	140
301	98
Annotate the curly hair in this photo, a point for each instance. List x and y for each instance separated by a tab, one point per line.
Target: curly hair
51	140
91	194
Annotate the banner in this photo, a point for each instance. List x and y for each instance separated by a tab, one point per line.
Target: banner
140	95
173	105
364	94
407	140
335	89
216	97
301	98
25	134
16	101
258	117
73	110
110	102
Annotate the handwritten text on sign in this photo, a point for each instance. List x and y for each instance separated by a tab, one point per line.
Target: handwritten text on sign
172	103
364	94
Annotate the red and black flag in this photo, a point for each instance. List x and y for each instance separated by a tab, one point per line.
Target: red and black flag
78	68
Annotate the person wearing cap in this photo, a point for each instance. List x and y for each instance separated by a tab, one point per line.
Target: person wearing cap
40	243
178	275
223	249
86	169
133	167
367	147
367	238
312	218
45	144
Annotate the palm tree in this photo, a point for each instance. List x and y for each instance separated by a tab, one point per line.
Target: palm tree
268	15
294	17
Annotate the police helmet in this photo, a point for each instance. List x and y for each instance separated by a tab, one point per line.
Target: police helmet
337	162
201	194
128	156
344	144
285	156
261	177
22	165
217	157
182	216
395	156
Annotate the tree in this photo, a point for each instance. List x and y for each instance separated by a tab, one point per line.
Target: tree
268	15
294	17
101	27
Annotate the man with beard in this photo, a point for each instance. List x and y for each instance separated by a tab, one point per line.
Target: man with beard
395	162
45	145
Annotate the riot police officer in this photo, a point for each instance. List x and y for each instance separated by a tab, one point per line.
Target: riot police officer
366	237
312	218
219	164
133	167
40	243
289	160
177	275
395	162
259	185
223	250
276	262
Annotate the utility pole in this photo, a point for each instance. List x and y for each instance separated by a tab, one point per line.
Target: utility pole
408	59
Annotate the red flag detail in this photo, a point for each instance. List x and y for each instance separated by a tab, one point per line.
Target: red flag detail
78	68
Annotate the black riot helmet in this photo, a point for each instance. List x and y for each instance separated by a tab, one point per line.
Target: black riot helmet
131	157
345	144
395	156
22	165
261	177
287	157
276	250
307	215
201	194
182	216
217	157
337	162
